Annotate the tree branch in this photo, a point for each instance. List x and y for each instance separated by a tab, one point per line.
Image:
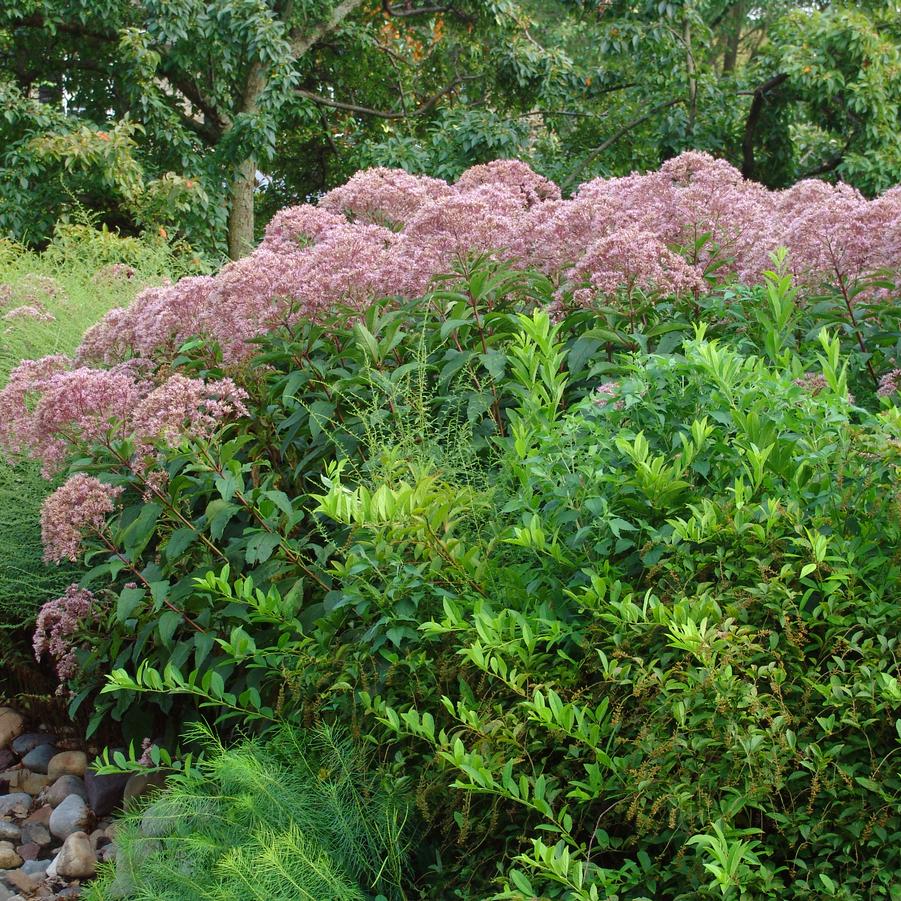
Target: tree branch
751	123
421	110
620	133
301	44
74	28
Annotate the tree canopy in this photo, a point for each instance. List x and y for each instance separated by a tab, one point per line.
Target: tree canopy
195	116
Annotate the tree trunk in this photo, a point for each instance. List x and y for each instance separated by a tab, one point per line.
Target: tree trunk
735	20
240	217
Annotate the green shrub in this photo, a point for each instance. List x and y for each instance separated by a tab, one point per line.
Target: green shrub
296	816
647	633
668	668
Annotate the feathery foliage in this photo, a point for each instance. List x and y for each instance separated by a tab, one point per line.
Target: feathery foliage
295	815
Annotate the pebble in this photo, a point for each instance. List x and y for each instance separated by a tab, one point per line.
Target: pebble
35	867
37	833
11	726
63	787
9	860
17	803
9	831
29	851
71	816
73	763
33	783
23	881
37	759
28	741
76	859
41	815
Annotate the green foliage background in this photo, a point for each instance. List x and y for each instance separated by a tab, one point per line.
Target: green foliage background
168	117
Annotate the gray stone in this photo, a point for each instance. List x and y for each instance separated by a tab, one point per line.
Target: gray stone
17	804
37	759
37	833
63	787
71	816
9	860
28	741
76	859
6	894
104	792
35	867
9	831
11	726
73	763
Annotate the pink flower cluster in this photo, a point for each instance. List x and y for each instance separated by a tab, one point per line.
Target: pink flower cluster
56	623
50	405
80	505
30	311
890	383
388	233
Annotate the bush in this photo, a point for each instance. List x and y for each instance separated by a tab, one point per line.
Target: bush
610	548
295	816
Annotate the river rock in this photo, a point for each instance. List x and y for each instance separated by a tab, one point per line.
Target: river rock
9	860
76	859
33	783
72	763
7	759
28	741
18	804
63	787
71	816
41	815
9	832
104	792
35	867
11	726
140	783
24	882
29	851
37	833
37	759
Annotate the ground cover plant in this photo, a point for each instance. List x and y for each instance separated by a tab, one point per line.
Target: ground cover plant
583	513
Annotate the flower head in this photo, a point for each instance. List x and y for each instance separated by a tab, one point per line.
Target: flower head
56	624
81	504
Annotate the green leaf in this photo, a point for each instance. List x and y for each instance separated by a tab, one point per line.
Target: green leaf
136	536
169	622
219	513
261	546
366	341
129	599
179	541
